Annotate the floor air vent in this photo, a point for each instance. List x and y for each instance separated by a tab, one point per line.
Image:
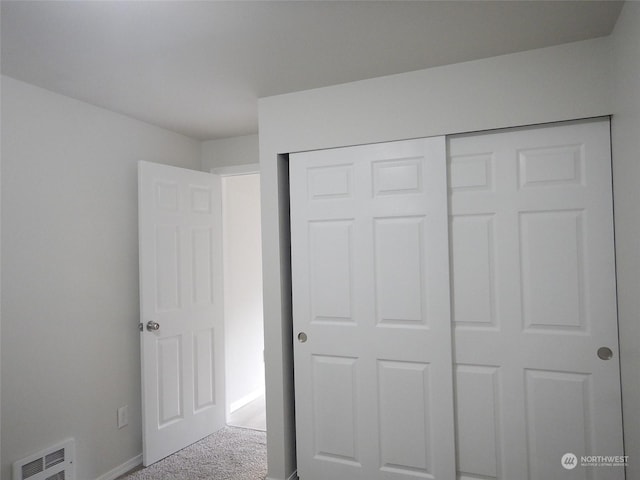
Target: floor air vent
54	463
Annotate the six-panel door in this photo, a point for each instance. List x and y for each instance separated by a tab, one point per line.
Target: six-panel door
371	294
533	287
181	291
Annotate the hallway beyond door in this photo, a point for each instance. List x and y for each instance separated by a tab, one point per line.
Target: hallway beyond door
253	415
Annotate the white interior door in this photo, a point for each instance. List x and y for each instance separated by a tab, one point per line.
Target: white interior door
534	299
181	297
370	265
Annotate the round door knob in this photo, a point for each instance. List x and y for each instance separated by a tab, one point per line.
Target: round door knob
153	326
302	337
605	353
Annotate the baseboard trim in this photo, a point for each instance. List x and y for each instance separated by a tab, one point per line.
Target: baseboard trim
245	400
122	469
294	476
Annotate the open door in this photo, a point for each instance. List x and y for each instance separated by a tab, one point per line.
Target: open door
181	310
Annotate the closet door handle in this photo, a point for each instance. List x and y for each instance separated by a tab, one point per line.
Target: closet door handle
605	353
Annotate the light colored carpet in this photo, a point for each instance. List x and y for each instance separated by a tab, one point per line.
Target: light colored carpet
229	454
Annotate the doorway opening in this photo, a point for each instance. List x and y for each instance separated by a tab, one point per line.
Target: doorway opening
243	313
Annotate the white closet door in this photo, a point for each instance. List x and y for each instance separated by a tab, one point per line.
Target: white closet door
370	262
534	299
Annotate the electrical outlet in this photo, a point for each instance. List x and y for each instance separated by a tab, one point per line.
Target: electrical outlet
123	416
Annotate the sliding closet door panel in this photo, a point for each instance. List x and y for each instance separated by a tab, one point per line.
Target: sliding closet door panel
372	326
533	301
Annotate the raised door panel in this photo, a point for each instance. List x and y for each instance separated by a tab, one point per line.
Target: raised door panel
167	267
330	182
551	166
335	419
166	197
397	177
473	271
471	172
478	422
406	446
170	380
559	413
202	266
552	263
204	369
201	199
399	271
331	271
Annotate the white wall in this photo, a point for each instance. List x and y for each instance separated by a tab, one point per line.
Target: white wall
228	152
243	320
0	283
552	84
625	42
70	344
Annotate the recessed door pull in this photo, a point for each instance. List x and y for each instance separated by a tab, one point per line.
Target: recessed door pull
605	353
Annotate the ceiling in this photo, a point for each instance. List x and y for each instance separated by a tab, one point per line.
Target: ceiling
199	67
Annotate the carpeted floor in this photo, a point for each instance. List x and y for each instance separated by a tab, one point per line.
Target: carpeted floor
229	454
